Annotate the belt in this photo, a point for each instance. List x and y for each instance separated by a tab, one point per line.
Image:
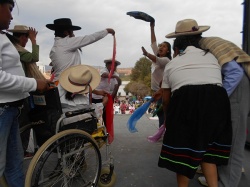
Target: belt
13	104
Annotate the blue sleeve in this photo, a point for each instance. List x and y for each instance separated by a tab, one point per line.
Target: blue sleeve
232	74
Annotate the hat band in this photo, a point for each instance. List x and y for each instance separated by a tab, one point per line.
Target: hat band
84	84
194	28
78	84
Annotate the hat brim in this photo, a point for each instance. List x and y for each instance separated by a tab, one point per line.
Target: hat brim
108	61
64	81
18	31
54	27
201	29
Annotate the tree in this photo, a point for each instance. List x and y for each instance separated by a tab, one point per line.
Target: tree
140	83
141	70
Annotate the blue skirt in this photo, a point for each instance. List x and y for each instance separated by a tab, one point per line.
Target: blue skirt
198	129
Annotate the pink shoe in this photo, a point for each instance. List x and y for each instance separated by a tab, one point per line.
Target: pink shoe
155	138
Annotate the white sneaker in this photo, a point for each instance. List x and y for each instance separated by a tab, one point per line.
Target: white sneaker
242	170
202	181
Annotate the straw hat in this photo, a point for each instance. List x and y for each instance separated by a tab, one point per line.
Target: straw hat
19	29
62	23
110	60
187	27
79	79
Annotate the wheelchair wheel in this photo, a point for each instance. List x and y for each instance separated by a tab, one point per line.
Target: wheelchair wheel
105	180
69	158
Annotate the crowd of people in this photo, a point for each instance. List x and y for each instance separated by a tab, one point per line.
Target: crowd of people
202	94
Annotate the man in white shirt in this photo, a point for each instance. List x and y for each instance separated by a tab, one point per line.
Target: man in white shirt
66	49
110	86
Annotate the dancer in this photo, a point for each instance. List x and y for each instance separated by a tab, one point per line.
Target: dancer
196	108
161	56
67	47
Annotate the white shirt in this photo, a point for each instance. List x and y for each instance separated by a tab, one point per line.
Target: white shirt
13	83
65	51
192	68
157	68
117	108
104	84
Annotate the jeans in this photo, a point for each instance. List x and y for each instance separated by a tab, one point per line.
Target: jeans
11	152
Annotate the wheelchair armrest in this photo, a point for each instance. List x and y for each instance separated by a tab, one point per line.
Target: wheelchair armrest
77	112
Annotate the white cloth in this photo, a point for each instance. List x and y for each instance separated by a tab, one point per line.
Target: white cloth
192	68
157	68
105	85
13	83
65	51
117	109
79	102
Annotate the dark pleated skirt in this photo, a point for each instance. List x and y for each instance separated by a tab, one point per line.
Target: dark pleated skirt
198	129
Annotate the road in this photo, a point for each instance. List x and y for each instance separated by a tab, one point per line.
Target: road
136	159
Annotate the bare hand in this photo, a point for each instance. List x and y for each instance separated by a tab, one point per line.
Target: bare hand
110	31
43	85
157	95
144	51
32	34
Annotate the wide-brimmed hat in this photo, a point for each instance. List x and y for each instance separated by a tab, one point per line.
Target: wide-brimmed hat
110	60
62	23
19	29
80	79
187	27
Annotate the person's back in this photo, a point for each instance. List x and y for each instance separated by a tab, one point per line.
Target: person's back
194	66
196	107
73	96
66	49
63	51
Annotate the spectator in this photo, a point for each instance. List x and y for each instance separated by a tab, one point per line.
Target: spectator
123	107
14	88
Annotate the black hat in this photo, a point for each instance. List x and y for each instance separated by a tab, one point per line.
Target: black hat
62	23
110	60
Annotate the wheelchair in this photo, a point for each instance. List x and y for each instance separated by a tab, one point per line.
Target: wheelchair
64	148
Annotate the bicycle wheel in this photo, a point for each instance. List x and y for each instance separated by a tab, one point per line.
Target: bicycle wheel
69	158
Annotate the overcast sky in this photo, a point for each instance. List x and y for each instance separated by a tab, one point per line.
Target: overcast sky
224	16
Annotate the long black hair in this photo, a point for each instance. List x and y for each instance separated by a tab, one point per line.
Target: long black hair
12	2
182	42
12	39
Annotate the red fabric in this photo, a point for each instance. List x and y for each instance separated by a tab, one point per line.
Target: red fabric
113	60
110	118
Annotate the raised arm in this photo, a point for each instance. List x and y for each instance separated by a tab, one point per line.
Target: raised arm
152	30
